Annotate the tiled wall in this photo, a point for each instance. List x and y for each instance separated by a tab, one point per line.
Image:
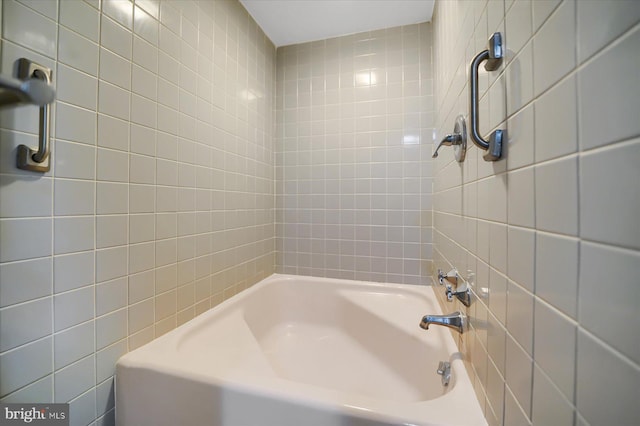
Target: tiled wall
354	120
551	231
160	200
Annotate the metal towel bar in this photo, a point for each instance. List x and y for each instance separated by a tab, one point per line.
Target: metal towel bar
493	57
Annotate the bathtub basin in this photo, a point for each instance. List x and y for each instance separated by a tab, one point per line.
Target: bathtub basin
301	351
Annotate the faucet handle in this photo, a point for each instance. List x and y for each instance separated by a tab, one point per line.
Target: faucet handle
451	276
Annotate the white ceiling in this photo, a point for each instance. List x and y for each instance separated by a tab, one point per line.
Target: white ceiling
297	21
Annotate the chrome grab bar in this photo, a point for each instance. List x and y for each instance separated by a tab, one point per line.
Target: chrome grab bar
493	57
41	94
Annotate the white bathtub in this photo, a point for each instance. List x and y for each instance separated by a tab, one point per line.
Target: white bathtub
301	351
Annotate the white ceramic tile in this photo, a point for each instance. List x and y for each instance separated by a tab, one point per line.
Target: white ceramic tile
557	271
75	124
73	344
549	406
112	198
143	111
166	225
105	396
554	347
170	17
40	390
141	286
28	28
167	277
141	257
600	23
165	305
145	54
111	295
601	191
111	263
23	281
143	140
141	315
145	26
73	197
25	239
144	82
111	231
141	228
113	101
613	400
519	374
72	271
520	127
25	365
495	391
115	38
115	69
520	193
120	10
169	42
496	335
71	234
597	263
166	172
519	76
25	197
556	121
518	25
48	9
520	316
106	360
142	169
513	414
166	252
73	307
81	18
77	52
113	133
82	409
24	323
73	160
169	70
542	9
167	200
76	87
557	196
75	379
555	43
111	328
152	7
143	198
112	165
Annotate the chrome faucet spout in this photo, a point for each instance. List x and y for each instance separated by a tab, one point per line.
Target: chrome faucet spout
455	320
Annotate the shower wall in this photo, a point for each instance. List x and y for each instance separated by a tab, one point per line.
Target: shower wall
354	121
551	231
159	203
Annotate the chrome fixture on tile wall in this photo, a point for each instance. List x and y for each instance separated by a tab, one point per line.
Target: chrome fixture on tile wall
32	86
493	57
462	290
457	139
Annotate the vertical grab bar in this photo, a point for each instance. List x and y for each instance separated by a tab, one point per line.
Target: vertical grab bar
493	57
29	159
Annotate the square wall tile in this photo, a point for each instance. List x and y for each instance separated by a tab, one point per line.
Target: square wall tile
554	347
